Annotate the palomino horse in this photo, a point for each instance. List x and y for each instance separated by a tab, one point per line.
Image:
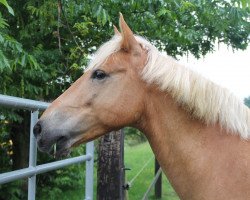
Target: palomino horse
197	130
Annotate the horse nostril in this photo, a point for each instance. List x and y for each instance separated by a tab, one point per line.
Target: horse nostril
37	129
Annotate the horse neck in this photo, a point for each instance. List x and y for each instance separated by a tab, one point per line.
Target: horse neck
186	147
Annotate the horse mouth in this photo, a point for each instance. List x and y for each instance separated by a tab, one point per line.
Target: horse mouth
60	148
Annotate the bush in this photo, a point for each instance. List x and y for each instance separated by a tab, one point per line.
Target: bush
51	185
133	136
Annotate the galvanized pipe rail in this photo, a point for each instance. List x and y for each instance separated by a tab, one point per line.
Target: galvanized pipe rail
17	102
33	169
145	197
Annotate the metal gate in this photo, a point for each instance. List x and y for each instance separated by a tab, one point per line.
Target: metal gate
33	169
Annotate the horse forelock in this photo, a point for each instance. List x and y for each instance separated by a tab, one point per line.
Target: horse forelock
202	98
104	52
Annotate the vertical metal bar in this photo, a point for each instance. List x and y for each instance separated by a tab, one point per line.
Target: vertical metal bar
89	181
32	156
121	166
158	184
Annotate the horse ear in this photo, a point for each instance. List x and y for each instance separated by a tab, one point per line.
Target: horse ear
128	39
116	31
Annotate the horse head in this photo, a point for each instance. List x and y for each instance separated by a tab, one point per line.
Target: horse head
108	96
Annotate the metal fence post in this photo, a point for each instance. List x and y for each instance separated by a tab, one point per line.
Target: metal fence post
158	184
32	156
33	169
89	181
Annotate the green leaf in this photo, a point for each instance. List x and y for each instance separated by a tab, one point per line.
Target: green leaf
4	62
33	62
3	22
23	60
4	2
245	3
104	17
1	38
161	12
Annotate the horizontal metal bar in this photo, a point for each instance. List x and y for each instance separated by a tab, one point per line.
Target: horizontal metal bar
145	197
27	172
16	102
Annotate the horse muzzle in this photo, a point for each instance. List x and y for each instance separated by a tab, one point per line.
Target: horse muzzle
54	142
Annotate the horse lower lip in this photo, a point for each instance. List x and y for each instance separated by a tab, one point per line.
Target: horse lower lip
61	140
58	151
55	146
60	148
43	147
61	153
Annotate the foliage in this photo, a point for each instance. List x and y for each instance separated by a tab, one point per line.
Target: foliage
12	191
54	183
45	45
5	3
45	50
5	148
247	101
43	69
134	136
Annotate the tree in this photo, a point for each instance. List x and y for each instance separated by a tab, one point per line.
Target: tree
58	36
45	45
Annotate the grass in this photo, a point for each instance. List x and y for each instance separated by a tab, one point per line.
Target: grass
135	157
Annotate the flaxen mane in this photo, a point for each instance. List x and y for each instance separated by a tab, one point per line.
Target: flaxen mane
199	96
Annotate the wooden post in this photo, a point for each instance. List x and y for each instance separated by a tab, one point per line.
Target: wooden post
158	187
110	173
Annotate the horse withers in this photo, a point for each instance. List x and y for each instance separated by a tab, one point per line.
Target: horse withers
198	131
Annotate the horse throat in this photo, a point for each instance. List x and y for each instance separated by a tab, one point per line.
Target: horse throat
193	156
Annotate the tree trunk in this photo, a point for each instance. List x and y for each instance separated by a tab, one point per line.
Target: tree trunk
19	135
20	138
111	167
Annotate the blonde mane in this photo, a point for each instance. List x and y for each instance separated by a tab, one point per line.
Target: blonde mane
202	98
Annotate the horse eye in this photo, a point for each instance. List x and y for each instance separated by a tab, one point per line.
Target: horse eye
98	74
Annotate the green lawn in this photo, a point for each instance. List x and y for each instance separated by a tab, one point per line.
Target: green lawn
135	157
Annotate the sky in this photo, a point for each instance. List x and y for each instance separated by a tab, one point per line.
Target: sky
226	68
